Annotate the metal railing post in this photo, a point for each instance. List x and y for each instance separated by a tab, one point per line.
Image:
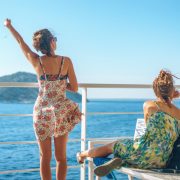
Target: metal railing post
83	130
90	164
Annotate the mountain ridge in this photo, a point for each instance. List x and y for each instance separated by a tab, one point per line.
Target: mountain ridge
25	95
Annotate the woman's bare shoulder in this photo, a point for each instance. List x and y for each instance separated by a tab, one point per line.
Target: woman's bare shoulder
149	106
67	59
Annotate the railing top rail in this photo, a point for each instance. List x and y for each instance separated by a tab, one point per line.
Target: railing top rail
81	85
19	84
84	85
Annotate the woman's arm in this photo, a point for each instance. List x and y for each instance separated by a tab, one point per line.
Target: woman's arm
31	56
72	85
176	94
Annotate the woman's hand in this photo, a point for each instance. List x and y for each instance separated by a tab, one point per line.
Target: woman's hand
7	23
176	94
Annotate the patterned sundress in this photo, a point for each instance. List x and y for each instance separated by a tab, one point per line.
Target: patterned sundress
54	114
151	150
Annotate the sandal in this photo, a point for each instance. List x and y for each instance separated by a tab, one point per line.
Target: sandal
78	158
106	168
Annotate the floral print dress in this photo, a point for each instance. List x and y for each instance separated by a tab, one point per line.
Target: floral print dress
152	150
54	114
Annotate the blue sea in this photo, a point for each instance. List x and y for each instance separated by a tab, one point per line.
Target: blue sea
18	157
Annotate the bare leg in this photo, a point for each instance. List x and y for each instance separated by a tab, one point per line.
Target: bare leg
60	155
98	151
45	159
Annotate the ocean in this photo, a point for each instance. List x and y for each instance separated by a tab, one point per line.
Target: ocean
18	157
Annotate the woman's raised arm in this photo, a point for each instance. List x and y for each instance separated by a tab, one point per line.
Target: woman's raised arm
30	55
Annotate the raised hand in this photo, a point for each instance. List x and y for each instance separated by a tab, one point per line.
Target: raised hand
176	94
7	23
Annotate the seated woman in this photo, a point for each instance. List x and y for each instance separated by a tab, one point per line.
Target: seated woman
153	149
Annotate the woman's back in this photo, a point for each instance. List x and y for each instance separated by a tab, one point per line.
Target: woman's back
51	66
157	143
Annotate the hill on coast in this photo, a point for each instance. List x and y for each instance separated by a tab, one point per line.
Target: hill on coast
25	95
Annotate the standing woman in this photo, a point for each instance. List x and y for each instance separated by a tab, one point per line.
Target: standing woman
54	115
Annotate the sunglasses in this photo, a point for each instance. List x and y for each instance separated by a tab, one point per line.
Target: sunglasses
55	39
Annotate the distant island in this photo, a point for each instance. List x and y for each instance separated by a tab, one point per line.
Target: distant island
25	95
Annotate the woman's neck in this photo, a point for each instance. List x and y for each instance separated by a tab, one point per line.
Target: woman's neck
163	102
53	53
160	100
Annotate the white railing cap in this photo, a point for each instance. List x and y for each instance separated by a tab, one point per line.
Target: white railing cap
81	85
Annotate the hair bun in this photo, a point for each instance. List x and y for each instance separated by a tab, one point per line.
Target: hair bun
162	73
41	41
165	78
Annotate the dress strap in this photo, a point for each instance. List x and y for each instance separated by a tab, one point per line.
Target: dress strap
42	68
62	63
157	105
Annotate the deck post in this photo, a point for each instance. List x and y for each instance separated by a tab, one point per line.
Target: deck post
83	130
90	164
130	177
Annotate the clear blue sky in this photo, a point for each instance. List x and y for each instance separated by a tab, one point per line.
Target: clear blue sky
109	41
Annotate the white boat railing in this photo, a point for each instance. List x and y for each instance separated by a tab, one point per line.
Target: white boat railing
83	138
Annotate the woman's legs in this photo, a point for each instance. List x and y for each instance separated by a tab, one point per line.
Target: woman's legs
60	155
97	152
45	159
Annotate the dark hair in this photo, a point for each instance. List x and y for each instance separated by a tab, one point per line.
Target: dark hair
163	86
42	40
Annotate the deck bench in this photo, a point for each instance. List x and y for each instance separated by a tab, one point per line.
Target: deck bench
130	172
